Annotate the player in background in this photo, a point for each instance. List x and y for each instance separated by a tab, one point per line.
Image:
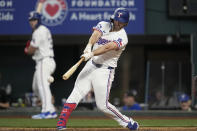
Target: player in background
41	49
108	39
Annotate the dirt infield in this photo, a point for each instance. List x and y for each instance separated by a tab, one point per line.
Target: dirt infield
104	129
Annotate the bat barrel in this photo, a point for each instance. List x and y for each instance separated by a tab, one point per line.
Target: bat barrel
72	69
64	77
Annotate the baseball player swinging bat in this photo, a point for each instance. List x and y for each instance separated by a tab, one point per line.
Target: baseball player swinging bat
72	69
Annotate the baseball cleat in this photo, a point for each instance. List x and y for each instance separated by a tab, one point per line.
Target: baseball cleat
42	115
61	124
61	128
45	115
133	126
52	115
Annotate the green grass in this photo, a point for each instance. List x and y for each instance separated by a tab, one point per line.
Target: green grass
91	123
168	123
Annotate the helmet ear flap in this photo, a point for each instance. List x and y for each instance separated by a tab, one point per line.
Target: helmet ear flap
112	18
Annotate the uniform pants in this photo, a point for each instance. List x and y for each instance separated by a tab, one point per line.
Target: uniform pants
100	79
41	86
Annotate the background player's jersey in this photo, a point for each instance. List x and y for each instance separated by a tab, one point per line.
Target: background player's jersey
42	40
120	38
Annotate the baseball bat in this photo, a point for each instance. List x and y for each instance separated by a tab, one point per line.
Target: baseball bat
72	69
39	6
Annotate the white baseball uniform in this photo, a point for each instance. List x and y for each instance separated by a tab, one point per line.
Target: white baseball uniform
99	71
45	66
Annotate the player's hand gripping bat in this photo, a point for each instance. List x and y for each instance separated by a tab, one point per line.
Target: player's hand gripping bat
39	6
72	69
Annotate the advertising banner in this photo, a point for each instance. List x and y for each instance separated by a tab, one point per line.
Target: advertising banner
68	17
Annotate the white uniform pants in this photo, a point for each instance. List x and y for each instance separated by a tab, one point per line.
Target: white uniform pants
100	79
41	86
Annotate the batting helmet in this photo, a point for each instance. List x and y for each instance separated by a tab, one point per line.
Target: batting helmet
33	15
121	15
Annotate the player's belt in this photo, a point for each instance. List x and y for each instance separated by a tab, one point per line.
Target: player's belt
100	65
45	57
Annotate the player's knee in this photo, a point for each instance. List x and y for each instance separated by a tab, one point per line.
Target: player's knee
74	97
102	107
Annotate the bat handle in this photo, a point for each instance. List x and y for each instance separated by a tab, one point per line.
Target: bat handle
81	60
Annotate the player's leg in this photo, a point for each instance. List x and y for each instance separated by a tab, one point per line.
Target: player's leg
42	74
81	88
47	68
102	84
37	85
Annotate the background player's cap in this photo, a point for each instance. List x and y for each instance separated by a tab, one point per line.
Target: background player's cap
132	93
33	15
183	98
121	15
